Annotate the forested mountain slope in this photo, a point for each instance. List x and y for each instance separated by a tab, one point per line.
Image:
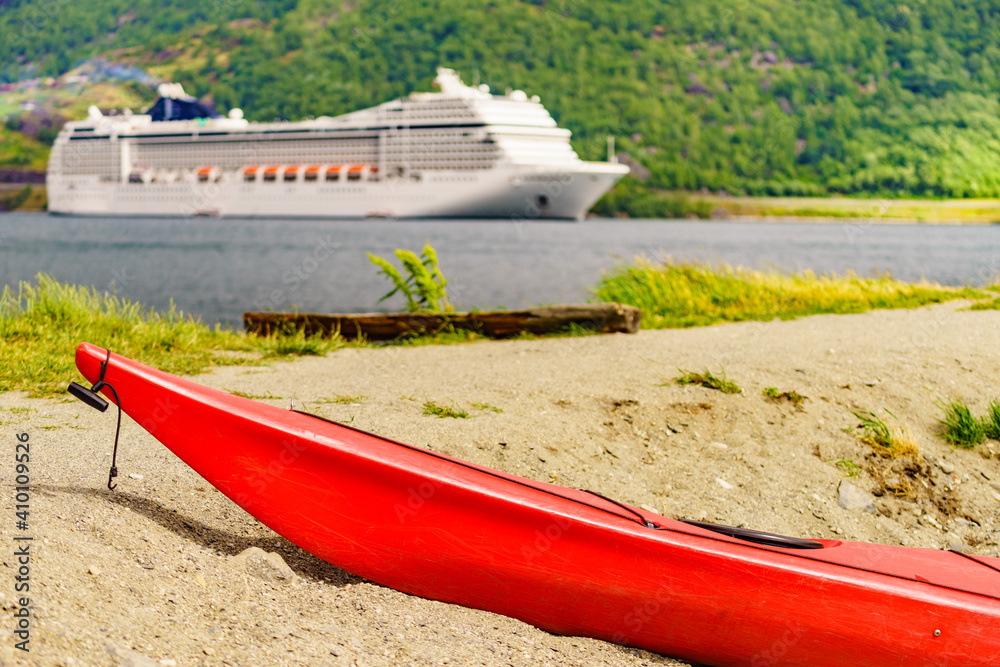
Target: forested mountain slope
765	97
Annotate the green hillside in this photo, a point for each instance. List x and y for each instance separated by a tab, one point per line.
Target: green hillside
814	97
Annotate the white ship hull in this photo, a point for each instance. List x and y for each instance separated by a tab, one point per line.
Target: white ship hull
460	153
517	194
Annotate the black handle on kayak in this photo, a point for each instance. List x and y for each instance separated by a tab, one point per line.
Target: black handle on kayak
94	400
757	536
88	396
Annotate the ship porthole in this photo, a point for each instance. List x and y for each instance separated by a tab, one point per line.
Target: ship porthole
542	201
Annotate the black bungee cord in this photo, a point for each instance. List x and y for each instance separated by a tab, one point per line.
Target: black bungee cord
94	400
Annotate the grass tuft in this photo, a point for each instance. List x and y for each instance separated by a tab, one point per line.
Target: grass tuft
960	427
295	343
691	294
256	397
848	467
41	325
343	399
438	410
892	440
486	406
991	422
709	379
793	397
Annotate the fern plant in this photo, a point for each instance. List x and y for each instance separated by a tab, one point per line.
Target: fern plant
424	284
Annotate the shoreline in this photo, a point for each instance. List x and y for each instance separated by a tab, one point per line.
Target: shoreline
848	210
809	210
150	572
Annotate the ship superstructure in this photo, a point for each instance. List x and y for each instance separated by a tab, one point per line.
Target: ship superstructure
460	152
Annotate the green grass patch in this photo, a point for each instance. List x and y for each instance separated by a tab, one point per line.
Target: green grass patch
343	399
438	410
709	379
991	422
848	467
256	397
959	426
986	305
793	397
42	323
293	344
686	295
486	407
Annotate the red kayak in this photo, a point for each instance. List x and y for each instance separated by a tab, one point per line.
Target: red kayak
570	562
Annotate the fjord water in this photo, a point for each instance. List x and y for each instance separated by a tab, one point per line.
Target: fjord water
218	268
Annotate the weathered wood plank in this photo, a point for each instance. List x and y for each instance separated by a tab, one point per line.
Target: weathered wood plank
605	317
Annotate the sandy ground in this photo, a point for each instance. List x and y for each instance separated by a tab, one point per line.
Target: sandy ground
149	574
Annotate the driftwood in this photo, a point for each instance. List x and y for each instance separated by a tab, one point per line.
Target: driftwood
606	318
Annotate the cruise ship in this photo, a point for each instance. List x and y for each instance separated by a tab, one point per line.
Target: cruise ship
459	152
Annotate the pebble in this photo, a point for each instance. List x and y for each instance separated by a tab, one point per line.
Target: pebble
928	520
718	445
852	498
723	483
946	467
266	566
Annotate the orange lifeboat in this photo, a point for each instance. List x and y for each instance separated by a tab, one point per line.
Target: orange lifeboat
206	174
311	173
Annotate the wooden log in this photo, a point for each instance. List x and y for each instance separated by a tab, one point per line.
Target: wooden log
605	318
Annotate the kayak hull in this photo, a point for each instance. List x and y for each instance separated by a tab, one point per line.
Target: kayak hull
564	560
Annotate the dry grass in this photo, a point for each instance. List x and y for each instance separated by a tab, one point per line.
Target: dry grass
673	294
